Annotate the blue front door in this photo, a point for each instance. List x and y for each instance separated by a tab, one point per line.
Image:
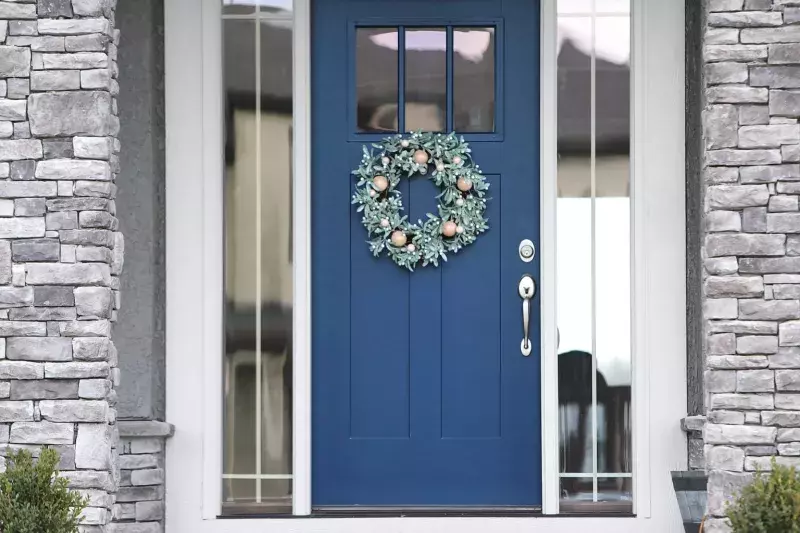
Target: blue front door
421	395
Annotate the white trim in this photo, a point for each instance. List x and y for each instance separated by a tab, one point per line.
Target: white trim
548	177
212	246
194	282
302	257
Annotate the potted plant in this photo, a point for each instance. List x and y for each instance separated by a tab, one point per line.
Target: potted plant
34	499
691	490
771	503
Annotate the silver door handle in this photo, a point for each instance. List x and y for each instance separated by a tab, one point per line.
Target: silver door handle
527	290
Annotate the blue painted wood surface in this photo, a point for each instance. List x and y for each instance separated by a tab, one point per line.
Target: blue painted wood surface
421	396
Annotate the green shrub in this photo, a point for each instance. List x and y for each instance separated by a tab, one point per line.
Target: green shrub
34	499
771	504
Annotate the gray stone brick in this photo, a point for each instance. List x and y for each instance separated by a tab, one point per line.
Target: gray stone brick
68	274
152	476
739	435
54	8
769	173
35	250
39	349
769	309
720	381
93	446
787	357
721	175
779	204
787	402
722	244
721	266
16	149
734	286
717	73
777	265
755	381
44	389
29	207
71	169
23	27
86	328
725	458
94	389
74	26
55	80
785	34
735	52
745	19
781	418
94	301
70	113
90	479
90	411
770	136
775	77
724	5
736	94
722	36
90	8
788	380
732	196
97	220
93	42
15	61
756	344
736	362
75	370
724	221
22	170
42	433
789	333
788	435
721	308
742	401
16	411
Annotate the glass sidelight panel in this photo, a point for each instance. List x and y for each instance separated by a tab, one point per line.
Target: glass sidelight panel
257	360
594	255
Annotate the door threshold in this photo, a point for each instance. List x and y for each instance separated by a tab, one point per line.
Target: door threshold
359	511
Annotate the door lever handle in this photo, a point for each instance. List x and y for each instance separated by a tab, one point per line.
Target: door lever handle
527	290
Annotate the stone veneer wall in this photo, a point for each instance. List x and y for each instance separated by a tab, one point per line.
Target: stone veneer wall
752	242
140	500
60	253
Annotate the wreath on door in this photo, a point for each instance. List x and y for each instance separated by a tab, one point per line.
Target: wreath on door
443	158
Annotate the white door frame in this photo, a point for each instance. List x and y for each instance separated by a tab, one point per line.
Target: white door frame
195	279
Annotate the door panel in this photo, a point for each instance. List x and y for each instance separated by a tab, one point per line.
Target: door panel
421	396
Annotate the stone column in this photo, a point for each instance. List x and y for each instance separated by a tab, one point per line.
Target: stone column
752	242
60	254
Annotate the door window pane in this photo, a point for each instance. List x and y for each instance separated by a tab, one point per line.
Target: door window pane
426	79
257	432
473	79
376	79
594	255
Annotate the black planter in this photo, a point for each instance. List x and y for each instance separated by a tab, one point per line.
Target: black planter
691	490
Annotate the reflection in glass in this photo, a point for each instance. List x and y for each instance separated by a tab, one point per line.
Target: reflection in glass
613	495
593	258
473	79
257	447
376	79
426	79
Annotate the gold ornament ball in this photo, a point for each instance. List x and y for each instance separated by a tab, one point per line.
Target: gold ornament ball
449	228
380	183
399	239
420	157
457	160
464	184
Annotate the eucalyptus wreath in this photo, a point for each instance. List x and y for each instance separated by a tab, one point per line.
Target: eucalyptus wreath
446	160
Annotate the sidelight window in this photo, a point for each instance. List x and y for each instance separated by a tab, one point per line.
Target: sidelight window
594	255
257	89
